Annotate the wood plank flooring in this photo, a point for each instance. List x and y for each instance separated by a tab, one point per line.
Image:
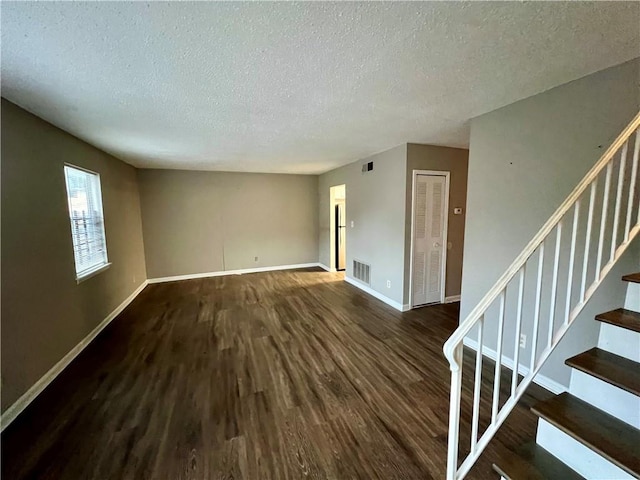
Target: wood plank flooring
278	375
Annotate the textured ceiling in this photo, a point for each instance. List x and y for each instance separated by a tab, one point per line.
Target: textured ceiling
293	87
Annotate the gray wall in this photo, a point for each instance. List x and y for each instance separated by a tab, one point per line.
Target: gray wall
197	222
376	204
456	161
45	313
524	161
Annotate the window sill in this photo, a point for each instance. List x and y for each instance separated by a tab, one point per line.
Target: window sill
92	273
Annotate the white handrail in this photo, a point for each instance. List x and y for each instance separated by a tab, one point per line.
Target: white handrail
453	346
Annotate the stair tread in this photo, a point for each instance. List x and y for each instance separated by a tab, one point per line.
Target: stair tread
609	367
532	462
632	277
603	433
621	317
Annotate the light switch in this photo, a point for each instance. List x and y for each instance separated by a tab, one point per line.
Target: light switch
457	211
352	223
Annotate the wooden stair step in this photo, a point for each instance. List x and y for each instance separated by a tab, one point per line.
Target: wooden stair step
632	277
532	462
621	317
615	440
609	367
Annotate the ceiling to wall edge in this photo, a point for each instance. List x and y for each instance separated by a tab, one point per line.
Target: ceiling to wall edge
349	162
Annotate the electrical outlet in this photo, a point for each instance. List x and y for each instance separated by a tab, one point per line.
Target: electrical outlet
255	259
523	340
388	283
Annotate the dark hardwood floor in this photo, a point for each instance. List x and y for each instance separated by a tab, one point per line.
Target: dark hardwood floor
279	375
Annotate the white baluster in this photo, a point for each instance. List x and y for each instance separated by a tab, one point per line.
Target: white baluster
496	378
603	218
616	210
516	352
572	257
554	285
477	388
585	261
632	188
454	415
536	309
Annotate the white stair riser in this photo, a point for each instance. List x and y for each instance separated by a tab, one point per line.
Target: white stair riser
632	300
620	341
613	400
580	458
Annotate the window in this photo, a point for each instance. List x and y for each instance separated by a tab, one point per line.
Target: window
87	221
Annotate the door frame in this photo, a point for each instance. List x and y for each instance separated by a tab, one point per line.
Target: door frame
332	203
445	230
336	241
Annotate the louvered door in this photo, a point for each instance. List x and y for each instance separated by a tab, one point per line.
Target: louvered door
428	239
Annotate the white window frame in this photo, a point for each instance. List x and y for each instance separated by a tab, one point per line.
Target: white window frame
89	272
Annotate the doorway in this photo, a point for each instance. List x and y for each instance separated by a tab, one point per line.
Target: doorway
338	228
340	235
430	206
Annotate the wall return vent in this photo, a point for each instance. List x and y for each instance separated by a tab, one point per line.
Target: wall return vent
362	272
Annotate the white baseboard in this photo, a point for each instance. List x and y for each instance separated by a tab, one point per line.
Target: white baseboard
222	273
452	299
542	380
365	288
19	405
328	269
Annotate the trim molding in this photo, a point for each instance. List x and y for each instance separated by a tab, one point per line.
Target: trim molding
23	402
452	299
242	271
328	269
365	288
542	380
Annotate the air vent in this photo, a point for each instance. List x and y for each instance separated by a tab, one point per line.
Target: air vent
362	272
367	167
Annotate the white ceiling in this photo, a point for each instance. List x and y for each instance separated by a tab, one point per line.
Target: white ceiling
293	87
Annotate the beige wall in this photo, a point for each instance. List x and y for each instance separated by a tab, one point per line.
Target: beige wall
456	161
379	202
45	313
375	202
197	222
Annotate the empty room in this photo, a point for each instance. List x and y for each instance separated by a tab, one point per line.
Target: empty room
329	240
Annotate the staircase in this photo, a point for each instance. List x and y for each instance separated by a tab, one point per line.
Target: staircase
592	430
602	420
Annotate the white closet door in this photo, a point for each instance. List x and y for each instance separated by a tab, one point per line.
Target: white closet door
428	238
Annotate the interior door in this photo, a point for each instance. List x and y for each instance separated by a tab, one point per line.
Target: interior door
341	236
428	239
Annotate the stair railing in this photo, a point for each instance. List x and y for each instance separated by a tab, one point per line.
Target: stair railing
612	219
